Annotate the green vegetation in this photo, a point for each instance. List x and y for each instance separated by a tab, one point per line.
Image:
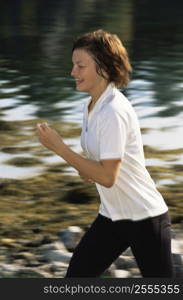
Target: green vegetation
54	199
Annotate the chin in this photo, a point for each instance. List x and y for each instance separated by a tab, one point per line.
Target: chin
80	89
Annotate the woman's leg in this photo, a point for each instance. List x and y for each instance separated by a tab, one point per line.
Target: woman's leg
151	246
96	251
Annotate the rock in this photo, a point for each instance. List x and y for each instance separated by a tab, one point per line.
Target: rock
121	274
177	259
34	243
71	236
32	273
39	241
45	268
135	272
58	266
173	233
50	258
60	274
45	249
125	262
25	255
30	259
7	241
9	269
3	250
19	262
127	252
176	246
22	241
178	271
109	270
40	274
57	255
59	269
36	229
11	243
2	258
12	271
180	245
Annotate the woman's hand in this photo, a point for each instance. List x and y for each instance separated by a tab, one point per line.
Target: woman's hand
85	178
49	137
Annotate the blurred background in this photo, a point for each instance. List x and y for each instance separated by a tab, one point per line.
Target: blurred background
39	193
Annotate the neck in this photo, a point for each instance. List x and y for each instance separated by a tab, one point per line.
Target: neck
97	93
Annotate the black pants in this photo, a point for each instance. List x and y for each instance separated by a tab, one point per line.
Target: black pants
149	239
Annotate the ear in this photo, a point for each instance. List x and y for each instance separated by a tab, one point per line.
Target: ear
105	75
102	73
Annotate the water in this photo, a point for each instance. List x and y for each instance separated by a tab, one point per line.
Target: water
35	61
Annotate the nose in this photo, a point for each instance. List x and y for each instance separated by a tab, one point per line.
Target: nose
73	72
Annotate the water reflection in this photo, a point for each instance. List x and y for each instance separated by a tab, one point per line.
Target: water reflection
35	61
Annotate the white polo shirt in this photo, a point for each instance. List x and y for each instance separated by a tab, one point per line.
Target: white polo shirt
111	130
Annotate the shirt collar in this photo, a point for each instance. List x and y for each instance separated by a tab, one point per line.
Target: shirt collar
102	99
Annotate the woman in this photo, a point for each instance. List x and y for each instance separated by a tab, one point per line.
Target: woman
132	212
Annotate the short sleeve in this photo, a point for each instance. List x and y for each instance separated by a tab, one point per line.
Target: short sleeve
112	135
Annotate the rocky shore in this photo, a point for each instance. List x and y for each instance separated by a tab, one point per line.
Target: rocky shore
45	257
39	214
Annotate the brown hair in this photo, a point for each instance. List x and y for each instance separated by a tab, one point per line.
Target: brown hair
108	53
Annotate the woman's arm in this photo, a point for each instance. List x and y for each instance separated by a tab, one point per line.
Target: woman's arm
104	172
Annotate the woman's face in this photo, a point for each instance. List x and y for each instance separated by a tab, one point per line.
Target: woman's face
85	74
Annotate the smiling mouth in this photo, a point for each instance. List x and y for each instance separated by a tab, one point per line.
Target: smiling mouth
78	81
